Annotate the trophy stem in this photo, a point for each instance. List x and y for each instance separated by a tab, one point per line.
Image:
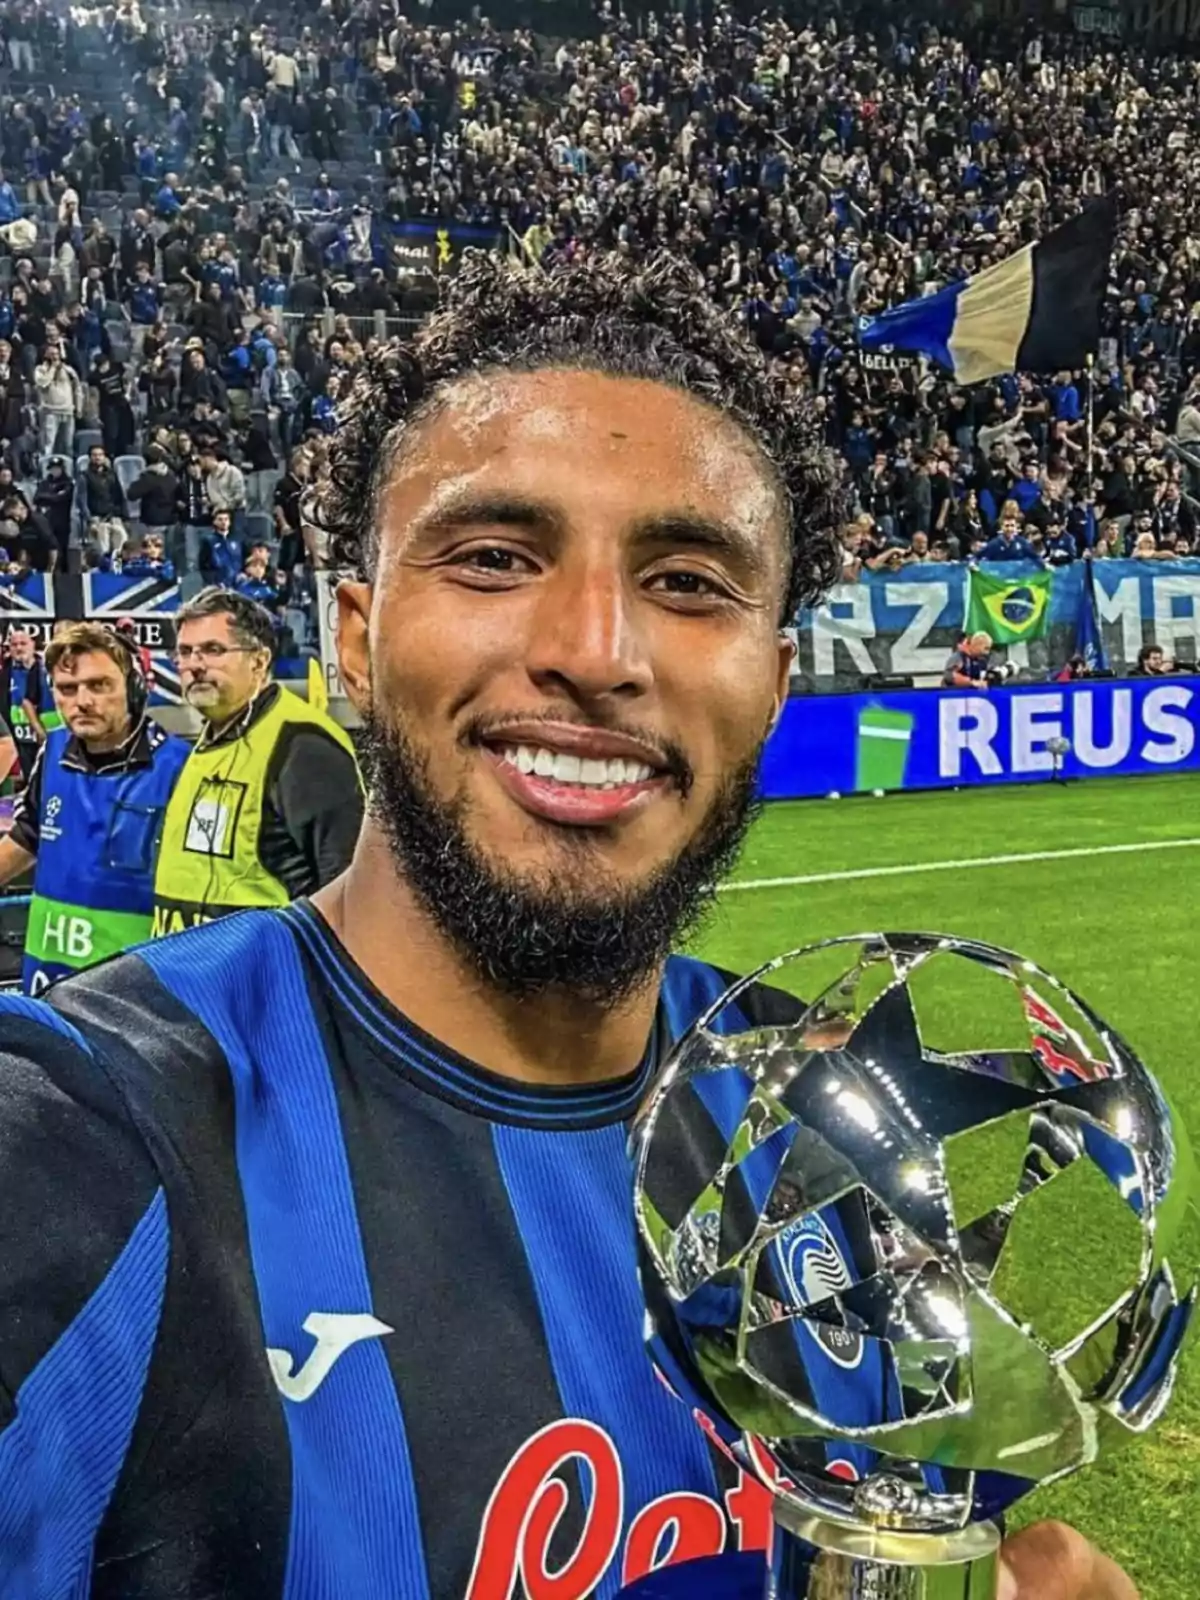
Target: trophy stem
813	1558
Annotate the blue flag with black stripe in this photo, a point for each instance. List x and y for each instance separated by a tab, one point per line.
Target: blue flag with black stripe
1036	311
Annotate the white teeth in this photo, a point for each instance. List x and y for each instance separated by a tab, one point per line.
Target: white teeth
589	770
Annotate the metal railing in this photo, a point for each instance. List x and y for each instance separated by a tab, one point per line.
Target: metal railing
376	325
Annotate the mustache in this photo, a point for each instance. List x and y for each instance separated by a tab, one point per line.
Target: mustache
670	755
571	929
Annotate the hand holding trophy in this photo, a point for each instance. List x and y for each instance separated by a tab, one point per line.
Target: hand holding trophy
908	1283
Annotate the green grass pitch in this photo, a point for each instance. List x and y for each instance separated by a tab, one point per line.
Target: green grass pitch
1123	929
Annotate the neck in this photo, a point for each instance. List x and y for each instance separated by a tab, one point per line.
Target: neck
218	725
554	1038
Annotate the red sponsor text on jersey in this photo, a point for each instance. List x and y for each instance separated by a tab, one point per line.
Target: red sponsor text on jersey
512	1554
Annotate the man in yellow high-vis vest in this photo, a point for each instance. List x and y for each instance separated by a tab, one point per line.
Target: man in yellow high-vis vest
268	806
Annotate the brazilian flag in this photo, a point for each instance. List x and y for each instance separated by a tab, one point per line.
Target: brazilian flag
1013	610
1036	311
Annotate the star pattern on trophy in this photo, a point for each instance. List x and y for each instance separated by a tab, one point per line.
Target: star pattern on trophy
875	1249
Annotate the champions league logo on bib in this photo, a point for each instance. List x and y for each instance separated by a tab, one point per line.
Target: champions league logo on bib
51	830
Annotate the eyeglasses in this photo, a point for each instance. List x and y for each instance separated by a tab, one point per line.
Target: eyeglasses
211	650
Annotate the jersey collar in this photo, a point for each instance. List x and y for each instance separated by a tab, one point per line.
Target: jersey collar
441	1071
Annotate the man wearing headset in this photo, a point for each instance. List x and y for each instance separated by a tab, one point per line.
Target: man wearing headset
91	815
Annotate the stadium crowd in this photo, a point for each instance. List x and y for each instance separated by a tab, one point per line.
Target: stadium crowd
199	288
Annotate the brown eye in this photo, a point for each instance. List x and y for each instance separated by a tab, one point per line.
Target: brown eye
689	585
494	559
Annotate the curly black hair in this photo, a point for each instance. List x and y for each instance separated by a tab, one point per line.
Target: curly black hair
650	320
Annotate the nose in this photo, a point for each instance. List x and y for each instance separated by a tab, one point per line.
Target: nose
586	638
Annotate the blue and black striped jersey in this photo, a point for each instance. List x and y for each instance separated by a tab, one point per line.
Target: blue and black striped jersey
297	1303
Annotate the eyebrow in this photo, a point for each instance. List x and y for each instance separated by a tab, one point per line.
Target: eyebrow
689	529
694	531
495	510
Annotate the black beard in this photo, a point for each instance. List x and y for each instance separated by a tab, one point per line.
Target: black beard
575	931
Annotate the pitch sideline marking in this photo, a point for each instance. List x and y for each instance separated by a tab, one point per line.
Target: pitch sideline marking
961	865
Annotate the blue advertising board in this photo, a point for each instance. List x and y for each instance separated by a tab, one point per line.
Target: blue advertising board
942	738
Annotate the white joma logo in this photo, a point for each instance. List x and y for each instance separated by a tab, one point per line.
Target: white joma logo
335	1332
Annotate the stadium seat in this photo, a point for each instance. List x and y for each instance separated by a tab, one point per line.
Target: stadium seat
127	469
260	527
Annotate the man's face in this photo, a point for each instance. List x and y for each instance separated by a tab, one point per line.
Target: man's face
218	682
20	647
153	548
89	691
96	457
1009	527
568	661
221	523
1154	661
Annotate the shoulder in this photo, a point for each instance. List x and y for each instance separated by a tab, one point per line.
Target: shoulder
313	758
171	1013
81	1187
122	1233
166	745
302	723
690	987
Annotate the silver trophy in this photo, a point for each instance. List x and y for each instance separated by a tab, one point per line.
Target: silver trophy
913	1254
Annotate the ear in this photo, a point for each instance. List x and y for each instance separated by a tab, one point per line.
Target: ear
786	655
353	641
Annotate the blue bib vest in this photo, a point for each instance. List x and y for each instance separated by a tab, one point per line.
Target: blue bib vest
93	886
23	730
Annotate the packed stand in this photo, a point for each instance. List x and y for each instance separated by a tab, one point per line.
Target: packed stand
174	332
189	288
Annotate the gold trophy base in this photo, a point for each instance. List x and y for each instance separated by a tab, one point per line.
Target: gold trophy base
814	1558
